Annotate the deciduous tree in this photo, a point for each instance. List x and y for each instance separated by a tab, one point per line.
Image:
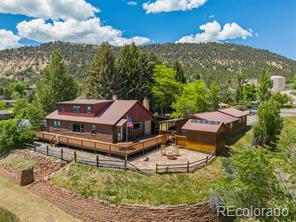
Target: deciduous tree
194	98
269	124
249	93
165	88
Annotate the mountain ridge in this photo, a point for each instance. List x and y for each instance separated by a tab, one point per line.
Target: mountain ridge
209	61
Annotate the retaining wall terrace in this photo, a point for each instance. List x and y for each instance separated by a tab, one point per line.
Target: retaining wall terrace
95	211
21	178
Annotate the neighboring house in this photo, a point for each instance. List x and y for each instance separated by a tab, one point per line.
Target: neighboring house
4	114
103	120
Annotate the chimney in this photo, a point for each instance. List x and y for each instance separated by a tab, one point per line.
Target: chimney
146	103
115	97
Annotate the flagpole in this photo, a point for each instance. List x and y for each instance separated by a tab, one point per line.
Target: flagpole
126	141
126	129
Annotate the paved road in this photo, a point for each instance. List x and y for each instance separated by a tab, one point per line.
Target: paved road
284	112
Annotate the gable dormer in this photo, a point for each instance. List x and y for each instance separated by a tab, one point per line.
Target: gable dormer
84	108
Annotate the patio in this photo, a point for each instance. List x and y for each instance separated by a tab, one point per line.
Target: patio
148	162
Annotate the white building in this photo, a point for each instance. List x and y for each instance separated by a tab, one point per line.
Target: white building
279	83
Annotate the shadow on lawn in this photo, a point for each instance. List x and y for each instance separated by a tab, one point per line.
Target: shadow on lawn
6	216
231	140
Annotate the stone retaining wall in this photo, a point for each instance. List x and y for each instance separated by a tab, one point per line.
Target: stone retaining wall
21	178
95	211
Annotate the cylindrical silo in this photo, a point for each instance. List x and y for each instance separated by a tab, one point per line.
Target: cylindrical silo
279	83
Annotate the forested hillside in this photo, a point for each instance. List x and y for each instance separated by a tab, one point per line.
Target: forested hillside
207	61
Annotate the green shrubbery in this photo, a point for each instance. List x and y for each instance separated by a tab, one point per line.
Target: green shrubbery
14	134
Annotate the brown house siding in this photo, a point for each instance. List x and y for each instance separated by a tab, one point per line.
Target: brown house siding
103	132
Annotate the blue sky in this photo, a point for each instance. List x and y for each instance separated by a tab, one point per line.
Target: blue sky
267	24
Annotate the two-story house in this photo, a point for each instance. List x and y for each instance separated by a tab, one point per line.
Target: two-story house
103	120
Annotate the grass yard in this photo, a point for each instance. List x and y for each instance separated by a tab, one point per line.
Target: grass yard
126	187
18	162
6	216
18	204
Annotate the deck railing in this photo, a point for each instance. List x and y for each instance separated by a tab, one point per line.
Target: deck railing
110	148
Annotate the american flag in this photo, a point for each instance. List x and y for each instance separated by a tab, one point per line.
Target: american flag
129	122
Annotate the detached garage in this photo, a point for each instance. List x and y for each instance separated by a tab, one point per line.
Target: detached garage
203	135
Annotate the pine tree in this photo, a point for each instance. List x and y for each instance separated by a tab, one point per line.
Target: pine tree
135	73
265	85
179	72
56	84
102	74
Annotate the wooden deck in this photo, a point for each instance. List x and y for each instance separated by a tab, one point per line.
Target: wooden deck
110	148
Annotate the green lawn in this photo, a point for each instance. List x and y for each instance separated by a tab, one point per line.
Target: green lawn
18	162
26	206
126	187
6	216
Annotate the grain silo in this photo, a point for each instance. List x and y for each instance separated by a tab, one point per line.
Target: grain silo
279	83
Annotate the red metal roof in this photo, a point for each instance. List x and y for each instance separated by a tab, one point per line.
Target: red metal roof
110	116
206	126
234	112
85	101
216	116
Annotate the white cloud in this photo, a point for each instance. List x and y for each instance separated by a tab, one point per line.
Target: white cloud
54	9
172	5
71	30
213	32
8	40
211	16
132	3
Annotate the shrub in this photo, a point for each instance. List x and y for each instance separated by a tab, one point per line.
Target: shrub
14	135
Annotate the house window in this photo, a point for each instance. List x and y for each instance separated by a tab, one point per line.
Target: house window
76	109
77	128
240	120
138	126
93	129
57	124
231	125
62	108
89	109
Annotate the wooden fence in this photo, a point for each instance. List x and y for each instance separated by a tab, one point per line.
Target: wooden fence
96	161
188	167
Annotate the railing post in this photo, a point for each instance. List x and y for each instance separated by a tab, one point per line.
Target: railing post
47	152
97	160
156	167
34	147
62	154
188	167
75	157
207	159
